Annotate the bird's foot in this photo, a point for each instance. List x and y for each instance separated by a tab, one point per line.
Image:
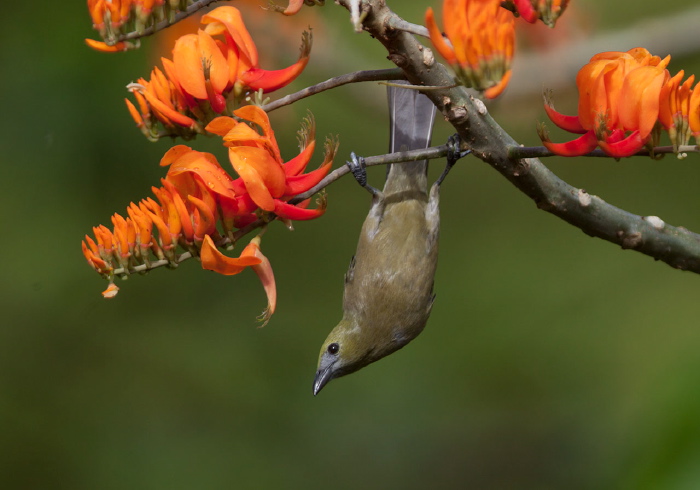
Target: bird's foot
359	171
454	144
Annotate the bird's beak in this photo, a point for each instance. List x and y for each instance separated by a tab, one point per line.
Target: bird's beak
323	376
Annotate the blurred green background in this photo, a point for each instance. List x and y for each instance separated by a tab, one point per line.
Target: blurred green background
552	360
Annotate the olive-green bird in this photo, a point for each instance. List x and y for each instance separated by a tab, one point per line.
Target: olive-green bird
389	285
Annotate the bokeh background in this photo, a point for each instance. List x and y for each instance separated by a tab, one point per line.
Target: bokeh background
552	360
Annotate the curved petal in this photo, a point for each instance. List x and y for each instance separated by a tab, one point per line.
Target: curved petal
289	211
436	38
575	148
624	148
298	164
214	260
567	123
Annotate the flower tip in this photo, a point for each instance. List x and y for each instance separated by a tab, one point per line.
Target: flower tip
111	291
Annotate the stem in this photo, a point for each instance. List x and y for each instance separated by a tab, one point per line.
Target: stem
518	152
398	157
354	77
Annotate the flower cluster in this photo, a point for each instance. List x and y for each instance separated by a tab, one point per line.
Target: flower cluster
482	37
548	11
624	100
113	19
210	72
200	206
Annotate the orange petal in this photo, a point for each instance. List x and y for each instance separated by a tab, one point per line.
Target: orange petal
266	276
111	291
221	125
269	170
638	106
215	60
188	65
173	154
297	164
214	260
229	19
436	38
254	183
106	48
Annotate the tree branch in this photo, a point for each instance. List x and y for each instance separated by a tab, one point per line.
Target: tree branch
488	141
354	77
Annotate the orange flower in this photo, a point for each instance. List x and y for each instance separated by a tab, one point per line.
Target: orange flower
210	70
547	10
618	104
255	157
483	40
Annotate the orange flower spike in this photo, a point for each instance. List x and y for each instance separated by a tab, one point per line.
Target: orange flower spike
214	260
483	39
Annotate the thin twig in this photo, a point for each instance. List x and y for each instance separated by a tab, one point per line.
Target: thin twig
354	77
518	152
399	157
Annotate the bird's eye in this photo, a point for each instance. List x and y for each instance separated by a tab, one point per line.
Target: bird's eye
333	348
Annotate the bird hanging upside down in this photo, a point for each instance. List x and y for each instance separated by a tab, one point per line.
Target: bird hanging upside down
389	284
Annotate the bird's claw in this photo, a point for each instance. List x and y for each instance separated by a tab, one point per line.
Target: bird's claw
356	165
359	171
454	144
455	152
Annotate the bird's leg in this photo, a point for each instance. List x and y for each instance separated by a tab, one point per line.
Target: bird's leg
455	153
432	210
376	212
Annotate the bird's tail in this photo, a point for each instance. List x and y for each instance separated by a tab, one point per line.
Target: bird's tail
411	115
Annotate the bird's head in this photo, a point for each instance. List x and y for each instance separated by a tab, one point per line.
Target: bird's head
349	347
